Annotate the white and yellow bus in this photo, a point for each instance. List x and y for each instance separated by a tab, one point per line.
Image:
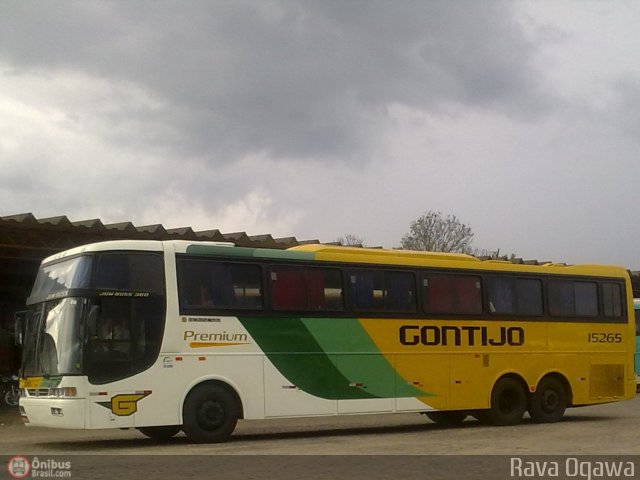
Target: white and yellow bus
192	336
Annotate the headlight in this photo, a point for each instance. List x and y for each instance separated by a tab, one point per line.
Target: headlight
63	392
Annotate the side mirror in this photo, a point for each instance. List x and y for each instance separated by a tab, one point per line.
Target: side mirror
20	323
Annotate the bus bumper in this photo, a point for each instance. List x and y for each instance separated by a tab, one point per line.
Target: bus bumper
53	412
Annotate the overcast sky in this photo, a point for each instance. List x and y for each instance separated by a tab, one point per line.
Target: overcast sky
317	118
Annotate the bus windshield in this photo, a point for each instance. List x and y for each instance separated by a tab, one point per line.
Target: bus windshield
53	340
99	315
55	280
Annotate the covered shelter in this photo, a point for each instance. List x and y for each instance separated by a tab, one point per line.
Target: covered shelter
26	240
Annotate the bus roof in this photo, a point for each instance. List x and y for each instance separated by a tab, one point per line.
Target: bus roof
344	254
142	245
453	260
380	252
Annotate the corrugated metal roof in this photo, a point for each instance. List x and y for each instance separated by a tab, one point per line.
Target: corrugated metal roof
25	240
96	228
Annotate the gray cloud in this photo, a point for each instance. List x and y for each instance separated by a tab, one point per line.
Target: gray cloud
320	118
292	79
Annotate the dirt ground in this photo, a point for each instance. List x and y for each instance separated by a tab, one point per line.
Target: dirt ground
406	446
611	429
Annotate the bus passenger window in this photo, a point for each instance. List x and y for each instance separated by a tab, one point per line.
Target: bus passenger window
561	299
362	291
586	299
515	296
529	292
459	294
502	296
379	291
306	289
206	284
400	292
573	299
611	299
288	289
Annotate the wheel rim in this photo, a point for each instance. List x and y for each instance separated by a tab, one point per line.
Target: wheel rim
12	398
210	415
550	401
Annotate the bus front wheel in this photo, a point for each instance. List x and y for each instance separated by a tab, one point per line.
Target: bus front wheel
548	403
508	402
210	414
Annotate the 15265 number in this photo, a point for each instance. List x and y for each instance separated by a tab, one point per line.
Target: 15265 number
604	337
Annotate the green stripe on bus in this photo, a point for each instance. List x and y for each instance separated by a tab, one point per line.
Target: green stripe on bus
364	363
310	353
299	358
249	252
283	254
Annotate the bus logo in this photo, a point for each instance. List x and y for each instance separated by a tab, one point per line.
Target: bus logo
432	335
224	339
124	405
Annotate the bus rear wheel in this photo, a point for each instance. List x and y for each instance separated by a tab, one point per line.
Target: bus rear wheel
160	433
210	414
453	417
508	403
548	403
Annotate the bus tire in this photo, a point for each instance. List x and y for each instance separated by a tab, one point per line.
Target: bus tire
164	433
548	403
12	397
452	417
210	413
508	402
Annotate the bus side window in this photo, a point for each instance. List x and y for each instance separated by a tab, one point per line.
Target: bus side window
521	296
449	294
288	289
362	290
611	299
206	284
306	289
222	286
383	291
400	292
529	294
502	296
572	298
586	299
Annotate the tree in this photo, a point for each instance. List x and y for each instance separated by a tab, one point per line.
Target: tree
433	232
350	239
488	254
